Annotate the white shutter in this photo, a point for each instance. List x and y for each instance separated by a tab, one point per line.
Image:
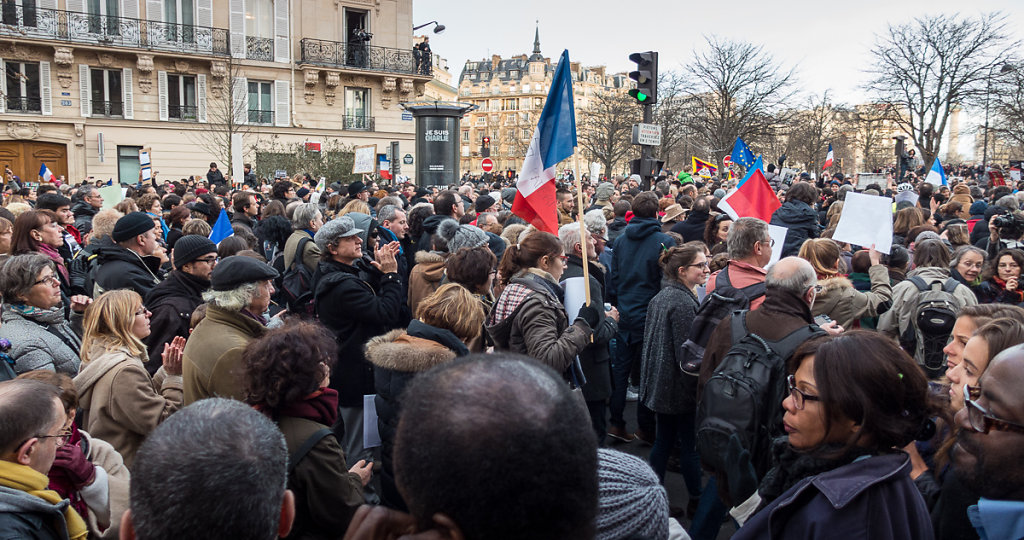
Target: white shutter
45	91
130	9
127	94
282	103
282	49
240	99
237	23
77	6
3	86
201	97
204	13
85	90
155	10
161	91
48	4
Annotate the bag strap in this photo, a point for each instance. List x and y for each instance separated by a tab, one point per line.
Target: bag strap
739	325
919	282
297	256
753	291
312	441
723	278
950	285
787	345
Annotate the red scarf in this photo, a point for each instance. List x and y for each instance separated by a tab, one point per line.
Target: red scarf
60	483
1002	287
49	251
320	406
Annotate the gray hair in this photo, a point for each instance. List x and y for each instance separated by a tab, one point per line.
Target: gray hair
595	221
304	214
481	218
569	235
19	274
87	190
389	200
797	280
1008	202
743	235
235	299
387	213
220	464
964	250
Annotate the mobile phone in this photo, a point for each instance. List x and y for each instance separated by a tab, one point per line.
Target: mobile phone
822	320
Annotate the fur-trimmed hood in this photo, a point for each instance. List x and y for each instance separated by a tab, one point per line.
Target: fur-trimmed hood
398	351
834	284
432	264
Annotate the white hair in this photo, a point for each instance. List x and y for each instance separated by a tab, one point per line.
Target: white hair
235	299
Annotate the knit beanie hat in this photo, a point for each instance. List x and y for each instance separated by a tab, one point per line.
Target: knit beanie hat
630	500
978	208
604	191
190	247
132	225
461	236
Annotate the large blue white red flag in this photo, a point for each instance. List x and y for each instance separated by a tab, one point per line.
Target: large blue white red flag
553	141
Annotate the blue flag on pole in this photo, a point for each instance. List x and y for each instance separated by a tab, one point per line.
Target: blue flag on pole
222	228
741	154
756	166
936	176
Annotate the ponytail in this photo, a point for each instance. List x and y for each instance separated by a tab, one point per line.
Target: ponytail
527	253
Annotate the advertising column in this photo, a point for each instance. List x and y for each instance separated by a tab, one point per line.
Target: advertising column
437	141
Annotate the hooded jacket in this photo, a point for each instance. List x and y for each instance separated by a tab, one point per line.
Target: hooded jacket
802	222
172	303
845	304
692	228
616	228
429	228
425	277
82	267
40	339
397	358
635	273
26	516
122	268
121	403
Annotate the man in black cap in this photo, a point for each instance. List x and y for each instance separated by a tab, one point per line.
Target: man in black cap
485	203
240	294
358	190
128	263
174	299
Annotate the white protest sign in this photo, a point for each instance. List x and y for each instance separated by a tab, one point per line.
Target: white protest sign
371	437
111	196
866	220
575	296
778	235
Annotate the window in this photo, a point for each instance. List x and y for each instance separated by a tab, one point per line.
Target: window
259	18
538	103
526	88
103	17
261	108
23	85
514	74
106	92
465	135
19	13
357	109
525	134
128	164
181	97
180	17
511	104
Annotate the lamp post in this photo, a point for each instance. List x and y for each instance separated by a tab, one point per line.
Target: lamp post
438	28
988	93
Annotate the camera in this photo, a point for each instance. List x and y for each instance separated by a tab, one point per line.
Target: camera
1011	226
361	35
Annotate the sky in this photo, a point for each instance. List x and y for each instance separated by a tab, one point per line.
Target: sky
828	43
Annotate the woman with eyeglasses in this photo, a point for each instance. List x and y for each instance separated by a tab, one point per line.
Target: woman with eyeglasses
1001	280
33	316
39	231
662	388
967	264
121	402
854	399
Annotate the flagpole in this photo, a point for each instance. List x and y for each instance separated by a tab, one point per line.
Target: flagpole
583	237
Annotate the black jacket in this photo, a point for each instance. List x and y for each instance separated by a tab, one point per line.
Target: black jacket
356	303
83	213
82	266
692	228
802	222
594	358
635	273
215	178
172	303
121	268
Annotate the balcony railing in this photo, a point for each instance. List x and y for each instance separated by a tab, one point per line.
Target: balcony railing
257	48
357	123
70	26
184	113
362	56
107	108
261	117
24	104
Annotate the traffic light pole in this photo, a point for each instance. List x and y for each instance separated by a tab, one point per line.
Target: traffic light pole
645	150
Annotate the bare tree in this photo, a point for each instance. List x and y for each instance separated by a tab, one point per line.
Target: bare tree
738	90
605	127
925	68
866	128
814	128
1008	107
227	114
671	114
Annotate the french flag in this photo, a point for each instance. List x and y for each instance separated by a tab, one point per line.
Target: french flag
828	158
47	175
553	141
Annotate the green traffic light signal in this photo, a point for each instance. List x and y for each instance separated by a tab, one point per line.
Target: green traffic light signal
638	95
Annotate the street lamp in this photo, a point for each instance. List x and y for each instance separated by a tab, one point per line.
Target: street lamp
988	93
438	28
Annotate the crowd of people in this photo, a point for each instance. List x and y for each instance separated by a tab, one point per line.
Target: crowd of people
371	361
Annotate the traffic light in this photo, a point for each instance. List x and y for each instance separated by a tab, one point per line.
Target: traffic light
485	147
646	77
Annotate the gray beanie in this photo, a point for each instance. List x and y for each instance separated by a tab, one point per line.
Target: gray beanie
461	236
508	194
630	500
604	191
719	193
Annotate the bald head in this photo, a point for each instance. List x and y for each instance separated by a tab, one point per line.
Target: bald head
791	274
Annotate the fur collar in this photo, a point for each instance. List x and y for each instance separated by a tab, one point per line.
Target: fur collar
399	351
834	284
428	257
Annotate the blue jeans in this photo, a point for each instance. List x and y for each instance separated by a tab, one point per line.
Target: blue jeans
623	357
710	513
681	427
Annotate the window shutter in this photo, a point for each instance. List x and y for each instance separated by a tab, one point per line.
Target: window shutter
204	13
240	99
161	90
84	90
77	6
155	10
282	45
201	97
45	91
282	103
127	95
48	4
3	86
237	23
130	9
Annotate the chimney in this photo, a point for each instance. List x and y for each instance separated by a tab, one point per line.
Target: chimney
494	61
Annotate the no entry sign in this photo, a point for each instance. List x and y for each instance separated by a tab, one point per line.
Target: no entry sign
487	164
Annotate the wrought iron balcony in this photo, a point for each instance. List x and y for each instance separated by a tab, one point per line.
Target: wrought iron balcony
357	123
107	108
23	104
261	117
257	48
359	55
74	27
184	113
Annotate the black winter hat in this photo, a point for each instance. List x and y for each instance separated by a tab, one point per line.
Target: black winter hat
190	247
132	225
484	202
238	270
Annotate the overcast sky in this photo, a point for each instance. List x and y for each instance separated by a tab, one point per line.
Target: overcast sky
828	42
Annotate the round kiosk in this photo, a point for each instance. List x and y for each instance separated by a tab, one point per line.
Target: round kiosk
437	140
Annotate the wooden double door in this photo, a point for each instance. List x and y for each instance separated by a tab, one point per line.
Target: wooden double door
26	157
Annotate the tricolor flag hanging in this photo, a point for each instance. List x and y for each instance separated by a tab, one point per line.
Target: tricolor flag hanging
703	168
754	198
741	154
221	228
937	175
553	141
828	158
46	175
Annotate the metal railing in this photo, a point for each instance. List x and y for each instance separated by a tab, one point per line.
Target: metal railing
261	117
257	48
185	113
74	27
357	123
107	108
24	104
362	56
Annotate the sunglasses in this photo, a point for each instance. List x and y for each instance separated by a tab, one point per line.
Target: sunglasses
981	419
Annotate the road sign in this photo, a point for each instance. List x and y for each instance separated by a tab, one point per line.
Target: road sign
727	160
647	134
487	164
407	159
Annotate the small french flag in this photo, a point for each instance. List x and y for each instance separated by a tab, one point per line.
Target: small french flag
828	158
47	176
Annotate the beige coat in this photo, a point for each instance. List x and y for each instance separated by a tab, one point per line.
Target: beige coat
425	277
845	305
310	253
102	454
212	361
121	403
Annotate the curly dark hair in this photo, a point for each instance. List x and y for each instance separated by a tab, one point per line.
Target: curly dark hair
274	229
287	364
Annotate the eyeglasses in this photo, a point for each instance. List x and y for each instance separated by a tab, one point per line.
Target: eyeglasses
972	265
704	264
51	279
62	437
798	395
142	311
770	242
980	419
210	260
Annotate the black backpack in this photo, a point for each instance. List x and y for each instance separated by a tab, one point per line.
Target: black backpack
744	396
295	284
931	323
717	305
